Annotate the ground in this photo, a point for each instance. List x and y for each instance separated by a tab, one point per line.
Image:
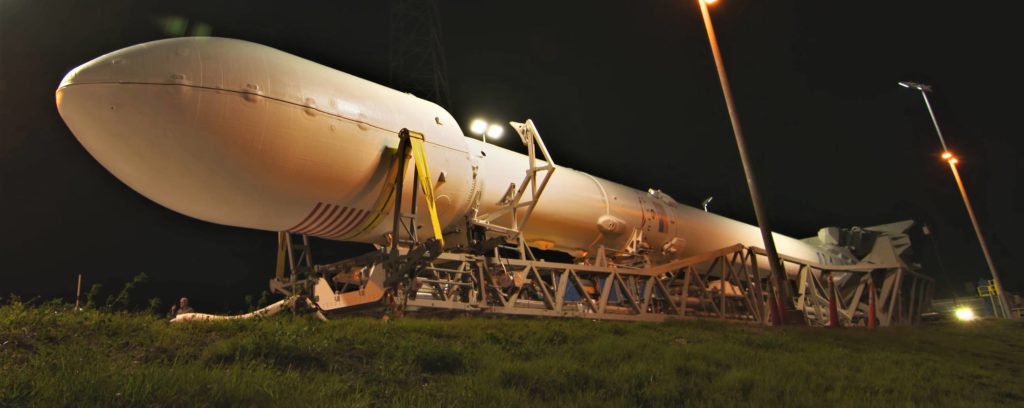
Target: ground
51	356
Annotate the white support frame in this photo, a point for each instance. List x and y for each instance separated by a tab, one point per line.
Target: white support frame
531	138
901	294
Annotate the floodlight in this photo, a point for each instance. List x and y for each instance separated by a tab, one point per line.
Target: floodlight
494	131
478	126
964	314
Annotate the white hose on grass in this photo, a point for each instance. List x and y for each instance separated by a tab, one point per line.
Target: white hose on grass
284	304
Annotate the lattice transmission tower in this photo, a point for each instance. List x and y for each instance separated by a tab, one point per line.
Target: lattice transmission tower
416	51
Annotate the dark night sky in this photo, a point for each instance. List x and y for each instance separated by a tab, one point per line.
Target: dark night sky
625	90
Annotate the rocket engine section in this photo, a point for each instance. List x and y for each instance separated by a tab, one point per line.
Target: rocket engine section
240	134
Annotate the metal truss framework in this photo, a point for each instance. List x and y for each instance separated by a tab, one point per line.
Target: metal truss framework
692	287
416	51
722	284
518	204
295	259
719	284
901	297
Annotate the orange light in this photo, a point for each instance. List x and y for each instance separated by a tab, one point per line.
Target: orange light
710	1
953	161
947	155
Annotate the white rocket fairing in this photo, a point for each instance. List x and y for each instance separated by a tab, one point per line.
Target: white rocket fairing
240	134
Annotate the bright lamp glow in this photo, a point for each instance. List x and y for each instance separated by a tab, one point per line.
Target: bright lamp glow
494	132
947	155
964	314
478	126
710	1
953	161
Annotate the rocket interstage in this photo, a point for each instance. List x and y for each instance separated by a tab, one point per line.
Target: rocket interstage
240	134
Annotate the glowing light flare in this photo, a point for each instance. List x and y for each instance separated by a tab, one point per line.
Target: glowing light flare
495	131
947	155
964	314
953	161
478	126
710	1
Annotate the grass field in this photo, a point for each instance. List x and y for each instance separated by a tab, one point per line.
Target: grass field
51	356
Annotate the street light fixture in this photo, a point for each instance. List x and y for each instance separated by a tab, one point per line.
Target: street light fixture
484	129
755	196
478	126
916	85
495	131
949	158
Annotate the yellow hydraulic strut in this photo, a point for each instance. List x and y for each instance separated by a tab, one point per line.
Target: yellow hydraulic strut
416	144
411	142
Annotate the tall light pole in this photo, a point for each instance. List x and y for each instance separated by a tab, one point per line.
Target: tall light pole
755	196
948	156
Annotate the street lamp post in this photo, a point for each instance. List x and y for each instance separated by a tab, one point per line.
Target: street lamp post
755	196
948	156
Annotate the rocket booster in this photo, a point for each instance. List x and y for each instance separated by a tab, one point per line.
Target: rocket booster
240	134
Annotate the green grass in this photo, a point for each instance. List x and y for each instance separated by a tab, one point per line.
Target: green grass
53	357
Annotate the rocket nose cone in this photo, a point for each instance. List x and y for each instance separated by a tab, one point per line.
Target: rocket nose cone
149	63
146	114
68	78
121	108
63	99
170	61
108	68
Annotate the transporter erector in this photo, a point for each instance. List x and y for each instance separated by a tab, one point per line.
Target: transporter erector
236	133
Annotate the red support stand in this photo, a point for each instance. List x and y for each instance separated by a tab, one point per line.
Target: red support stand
833	308
871	305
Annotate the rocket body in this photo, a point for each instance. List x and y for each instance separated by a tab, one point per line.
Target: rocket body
240	134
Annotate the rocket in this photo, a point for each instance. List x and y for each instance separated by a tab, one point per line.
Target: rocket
236	133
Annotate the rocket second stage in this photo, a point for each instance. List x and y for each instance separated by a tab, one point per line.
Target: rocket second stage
237	133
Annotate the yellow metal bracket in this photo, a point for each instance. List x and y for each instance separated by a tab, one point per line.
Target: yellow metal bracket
419	156
411	143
